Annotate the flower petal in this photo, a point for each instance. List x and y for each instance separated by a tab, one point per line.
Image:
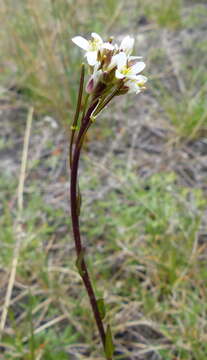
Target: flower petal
138	67
131	77
108	46
117	60
131	85
121	60
91	57
141	79
127	44
119	75
96	37
81	42
135	57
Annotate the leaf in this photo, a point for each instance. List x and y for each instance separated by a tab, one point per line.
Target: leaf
109	346
79	261
101	308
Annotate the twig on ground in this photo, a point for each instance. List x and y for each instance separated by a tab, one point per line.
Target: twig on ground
18	225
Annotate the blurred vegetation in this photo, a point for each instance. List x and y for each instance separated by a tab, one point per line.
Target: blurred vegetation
40	63
167	13
148	256
37	44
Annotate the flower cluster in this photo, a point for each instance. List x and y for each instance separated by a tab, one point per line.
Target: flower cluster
111	65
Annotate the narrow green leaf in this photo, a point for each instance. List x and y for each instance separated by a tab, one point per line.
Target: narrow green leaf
101	308
109	346
79	261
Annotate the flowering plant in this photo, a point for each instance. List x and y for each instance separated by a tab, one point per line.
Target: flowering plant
113	71
112	65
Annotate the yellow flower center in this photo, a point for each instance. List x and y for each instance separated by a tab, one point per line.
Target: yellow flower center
94	44
126	70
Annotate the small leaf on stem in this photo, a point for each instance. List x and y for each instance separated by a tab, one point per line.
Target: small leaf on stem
101	308
109	346
79	261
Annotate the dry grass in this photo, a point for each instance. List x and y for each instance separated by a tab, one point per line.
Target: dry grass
144	190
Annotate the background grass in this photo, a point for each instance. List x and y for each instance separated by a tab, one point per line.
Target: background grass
143	178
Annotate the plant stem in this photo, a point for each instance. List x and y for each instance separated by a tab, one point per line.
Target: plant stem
75	120
75	221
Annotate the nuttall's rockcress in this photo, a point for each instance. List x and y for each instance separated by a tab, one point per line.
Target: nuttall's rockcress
113	72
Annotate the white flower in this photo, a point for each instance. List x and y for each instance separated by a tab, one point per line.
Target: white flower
136	85
127	45
92	47
115	60
112	64
124	70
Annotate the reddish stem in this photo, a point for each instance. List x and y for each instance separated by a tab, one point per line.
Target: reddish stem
75	221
